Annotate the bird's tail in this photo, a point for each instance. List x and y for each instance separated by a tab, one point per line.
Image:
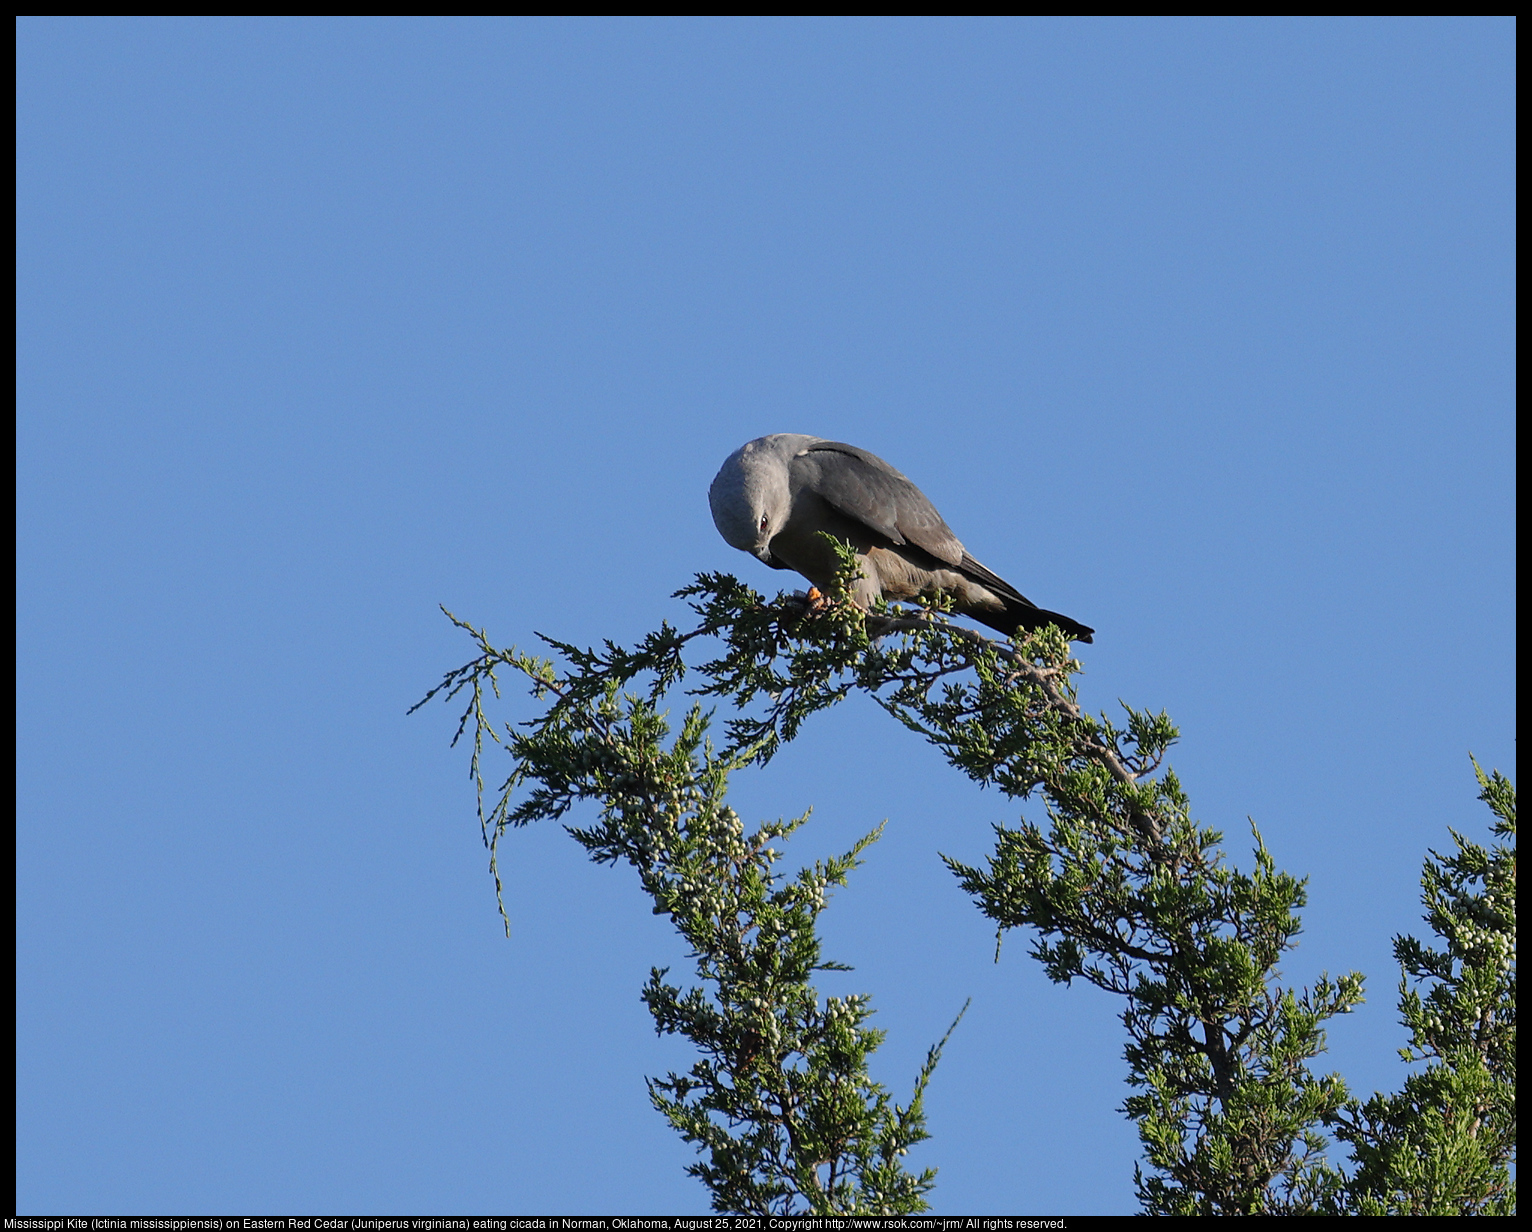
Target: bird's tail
1024	616
1020	612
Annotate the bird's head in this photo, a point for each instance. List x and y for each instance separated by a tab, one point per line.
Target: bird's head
751	495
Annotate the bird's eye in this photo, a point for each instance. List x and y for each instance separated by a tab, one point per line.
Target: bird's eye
765	518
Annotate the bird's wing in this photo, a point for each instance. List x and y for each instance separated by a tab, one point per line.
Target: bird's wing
992	582
863	486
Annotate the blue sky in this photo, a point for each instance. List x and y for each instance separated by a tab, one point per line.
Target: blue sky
1197	330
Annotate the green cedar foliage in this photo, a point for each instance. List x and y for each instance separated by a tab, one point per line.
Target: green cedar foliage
780	1105
1122	888
1446	1143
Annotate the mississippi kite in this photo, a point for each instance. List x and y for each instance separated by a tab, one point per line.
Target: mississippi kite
774	495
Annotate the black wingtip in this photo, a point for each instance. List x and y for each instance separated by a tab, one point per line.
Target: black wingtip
1076	632
1017	618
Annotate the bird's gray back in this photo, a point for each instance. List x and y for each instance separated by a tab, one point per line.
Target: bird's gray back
863	486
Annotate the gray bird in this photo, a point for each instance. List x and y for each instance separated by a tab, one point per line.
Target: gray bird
774	495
